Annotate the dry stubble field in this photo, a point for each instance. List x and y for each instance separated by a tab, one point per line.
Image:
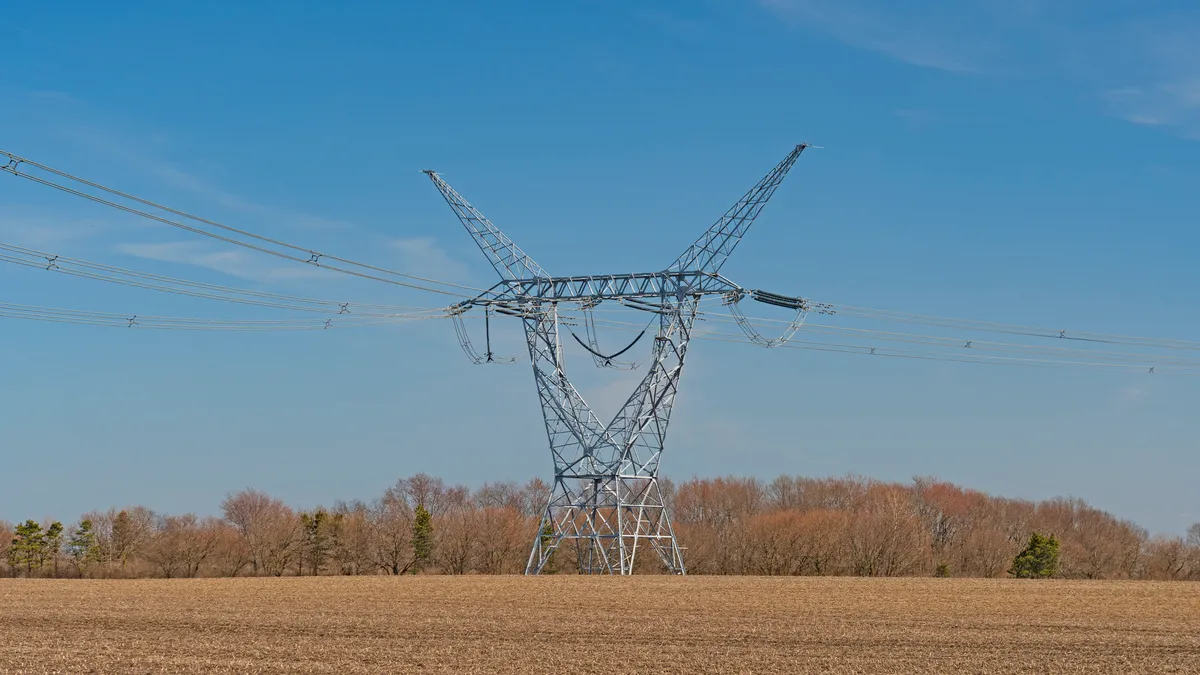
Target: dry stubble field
640	624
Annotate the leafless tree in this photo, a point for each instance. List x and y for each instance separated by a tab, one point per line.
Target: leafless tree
181	544
270	528
352	538
457	533
790	525
231	553
534	494
1166	558
389	520
6	536
777	543
986	551
885	538
505	537
121	537
826	540
497	496
428	491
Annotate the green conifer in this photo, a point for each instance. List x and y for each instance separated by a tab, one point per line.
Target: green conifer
422	538
51	549
27	548
81	546
1039	559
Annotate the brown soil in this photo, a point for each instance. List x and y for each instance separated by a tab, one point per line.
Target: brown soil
610	625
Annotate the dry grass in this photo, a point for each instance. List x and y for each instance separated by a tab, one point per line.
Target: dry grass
516	624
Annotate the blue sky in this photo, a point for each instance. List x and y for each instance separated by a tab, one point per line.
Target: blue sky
1027	162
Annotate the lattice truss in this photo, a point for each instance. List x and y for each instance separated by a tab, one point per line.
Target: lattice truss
606	501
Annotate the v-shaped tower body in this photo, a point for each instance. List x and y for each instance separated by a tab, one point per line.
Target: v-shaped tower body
606	498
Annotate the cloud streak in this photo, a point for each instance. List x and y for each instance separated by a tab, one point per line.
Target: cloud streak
34	229
1140	63
237	263
423	257
888	33
673	24
172	175
1167	104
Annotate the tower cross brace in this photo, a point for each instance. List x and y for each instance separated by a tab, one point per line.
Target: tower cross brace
606	498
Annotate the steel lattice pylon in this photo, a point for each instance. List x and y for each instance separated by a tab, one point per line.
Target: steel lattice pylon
606	496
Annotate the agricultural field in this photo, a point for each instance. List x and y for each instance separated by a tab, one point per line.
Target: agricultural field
564	624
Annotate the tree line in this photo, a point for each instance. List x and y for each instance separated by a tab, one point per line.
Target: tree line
730	525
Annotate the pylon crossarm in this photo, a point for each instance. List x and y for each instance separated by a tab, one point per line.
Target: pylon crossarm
515	295
506	257
715	246
606	498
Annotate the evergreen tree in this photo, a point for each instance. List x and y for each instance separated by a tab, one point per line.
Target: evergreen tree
1039	559
81	546
316	540
27	547
122	537
551	565
422	538
52	542
336	542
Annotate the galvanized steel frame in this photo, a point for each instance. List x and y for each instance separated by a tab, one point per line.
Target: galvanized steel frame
606	496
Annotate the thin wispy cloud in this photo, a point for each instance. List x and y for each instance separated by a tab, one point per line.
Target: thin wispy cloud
47	95
31	229
606	399
917	117
174	176
674	24
1140	62
144	156
1131	397
143	159
422	256
886	31
1171	104
1167	96
238	263
1146	65
52	95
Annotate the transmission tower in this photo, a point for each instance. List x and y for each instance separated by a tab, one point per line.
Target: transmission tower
606	496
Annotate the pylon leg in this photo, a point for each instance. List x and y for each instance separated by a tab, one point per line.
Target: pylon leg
606	499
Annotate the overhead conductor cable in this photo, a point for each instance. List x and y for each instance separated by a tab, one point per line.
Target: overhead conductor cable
309	256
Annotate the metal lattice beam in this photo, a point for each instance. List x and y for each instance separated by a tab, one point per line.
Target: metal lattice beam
711	251
606	500
508	258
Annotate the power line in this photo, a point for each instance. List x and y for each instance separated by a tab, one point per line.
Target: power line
1066	352
153	322
963	343
80	268
1150	362
867	313
609	468
1014	329
975	326
599	467
313	257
